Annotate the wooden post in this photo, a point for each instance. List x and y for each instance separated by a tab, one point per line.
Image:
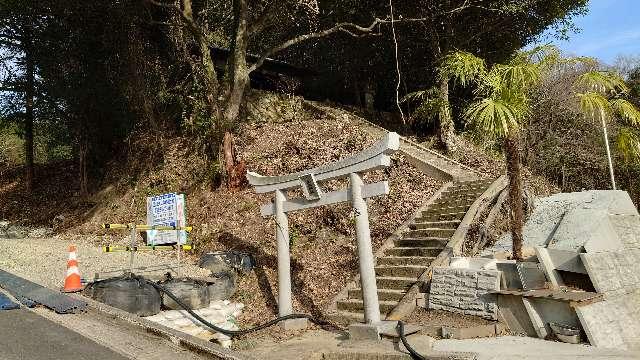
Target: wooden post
365	252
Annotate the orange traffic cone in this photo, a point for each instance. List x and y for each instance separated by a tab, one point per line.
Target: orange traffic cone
72	280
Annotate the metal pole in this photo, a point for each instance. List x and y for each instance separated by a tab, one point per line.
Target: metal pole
606	143
285	306
365	252
133	245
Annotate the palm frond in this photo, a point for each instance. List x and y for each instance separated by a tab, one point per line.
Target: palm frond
543	55
628	144
604	82
493	117
462	66
519	76
595	106
626	111
421	95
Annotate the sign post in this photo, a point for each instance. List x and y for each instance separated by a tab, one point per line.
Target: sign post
373	158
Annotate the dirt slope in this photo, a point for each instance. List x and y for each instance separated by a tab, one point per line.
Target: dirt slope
280	137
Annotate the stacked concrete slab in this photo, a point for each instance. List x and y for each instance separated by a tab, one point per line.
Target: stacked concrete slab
595	233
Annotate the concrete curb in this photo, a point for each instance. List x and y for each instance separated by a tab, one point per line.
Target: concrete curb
184	340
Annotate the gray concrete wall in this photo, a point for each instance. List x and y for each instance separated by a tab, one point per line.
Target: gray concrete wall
465	291
613	323
613	273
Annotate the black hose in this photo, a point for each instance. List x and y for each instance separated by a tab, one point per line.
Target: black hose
232	333
414	354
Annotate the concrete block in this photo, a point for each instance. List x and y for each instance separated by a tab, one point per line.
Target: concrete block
613	273
475	263
566	261
364	332
468	288
513	313
469	333
613	323
587	228
294	324
627	228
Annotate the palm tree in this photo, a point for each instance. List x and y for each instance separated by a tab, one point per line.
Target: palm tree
502	106
499	112
463	68
603	101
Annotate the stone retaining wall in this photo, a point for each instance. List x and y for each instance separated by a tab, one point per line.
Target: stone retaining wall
465	291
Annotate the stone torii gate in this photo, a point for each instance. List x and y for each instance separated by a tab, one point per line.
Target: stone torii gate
374	158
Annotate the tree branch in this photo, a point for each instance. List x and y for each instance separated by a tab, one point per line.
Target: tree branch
261	21
345	27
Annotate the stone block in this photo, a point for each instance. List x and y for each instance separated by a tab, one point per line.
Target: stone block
613	273
294	324
469	333
586	227
613	323
364	332
627	228
457	290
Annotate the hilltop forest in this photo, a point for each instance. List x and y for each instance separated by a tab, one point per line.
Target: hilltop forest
81	81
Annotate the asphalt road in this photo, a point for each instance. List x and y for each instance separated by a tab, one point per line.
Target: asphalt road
25	335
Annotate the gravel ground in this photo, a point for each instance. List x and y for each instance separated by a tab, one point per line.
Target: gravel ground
45	260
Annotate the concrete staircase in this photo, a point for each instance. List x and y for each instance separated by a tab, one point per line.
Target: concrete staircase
412	253
426	160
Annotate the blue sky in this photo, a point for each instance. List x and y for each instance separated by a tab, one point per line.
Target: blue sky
611	28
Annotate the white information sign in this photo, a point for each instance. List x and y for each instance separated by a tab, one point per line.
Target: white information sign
167	210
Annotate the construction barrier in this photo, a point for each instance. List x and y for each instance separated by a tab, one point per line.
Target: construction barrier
145	227
117	248
133	248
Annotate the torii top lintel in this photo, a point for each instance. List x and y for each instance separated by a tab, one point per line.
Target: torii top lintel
372	158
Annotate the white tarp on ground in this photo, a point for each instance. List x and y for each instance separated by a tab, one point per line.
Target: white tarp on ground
221	313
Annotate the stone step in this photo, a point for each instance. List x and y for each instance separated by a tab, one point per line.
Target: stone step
429	232
452	202
394	283
441	217
408	271
413	251
469	188
485	182
446	224
455	193
383	294
358	305
348	317
405	260
421	242
441	209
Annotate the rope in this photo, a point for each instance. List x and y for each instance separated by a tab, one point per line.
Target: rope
395	41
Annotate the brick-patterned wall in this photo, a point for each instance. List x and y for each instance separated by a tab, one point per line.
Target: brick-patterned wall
465	291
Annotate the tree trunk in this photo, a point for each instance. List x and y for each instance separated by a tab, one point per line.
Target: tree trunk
208	65
236	171
29	104
238	75
512	152
83	150
446	129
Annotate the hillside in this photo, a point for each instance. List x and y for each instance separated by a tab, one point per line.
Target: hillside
281	136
